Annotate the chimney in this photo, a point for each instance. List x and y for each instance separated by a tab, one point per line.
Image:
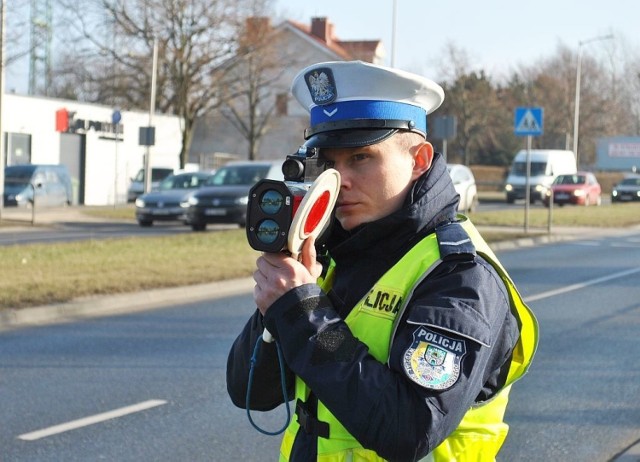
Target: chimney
322	29
256	28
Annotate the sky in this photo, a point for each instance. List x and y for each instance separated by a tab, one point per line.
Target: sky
498	35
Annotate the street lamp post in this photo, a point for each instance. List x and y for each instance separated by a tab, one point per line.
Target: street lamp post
576	109
3	162
152	110
393	33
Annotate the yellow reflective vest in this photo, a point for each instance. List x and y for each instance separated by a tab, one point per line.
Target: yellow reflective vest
482	430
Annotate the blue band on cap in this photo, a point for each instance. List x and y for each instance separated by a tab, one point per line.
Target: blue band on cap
368	109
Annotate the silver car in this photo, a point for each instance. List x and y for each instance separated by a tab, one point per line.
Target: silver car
465	184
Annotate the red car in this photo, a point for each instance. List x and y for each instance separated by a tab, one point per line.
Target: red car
579	188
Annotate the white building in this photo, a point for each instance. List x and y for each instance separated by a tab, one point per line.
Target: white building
101	155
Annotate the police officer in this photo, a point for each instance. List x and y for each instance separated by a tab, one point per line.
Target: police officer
403	344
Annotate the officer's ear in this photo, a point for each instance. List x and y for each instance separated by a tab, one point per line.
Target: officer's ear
422	158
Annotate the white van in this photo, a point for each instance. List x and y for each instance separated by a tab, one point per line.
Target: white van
546	164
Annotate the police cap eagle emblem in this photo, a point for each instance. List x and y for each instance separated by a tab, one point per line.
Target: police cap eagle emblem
322	85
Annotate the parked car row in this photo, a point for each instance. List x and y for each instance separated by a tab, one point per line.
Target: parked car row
225	195
583	188
164	203
199	199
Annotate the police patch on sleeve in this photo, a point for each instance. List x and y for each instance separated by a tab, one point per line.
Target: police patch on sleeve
433	360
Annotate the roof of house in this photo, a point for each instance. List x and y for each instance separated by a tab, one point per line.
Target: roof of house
321	31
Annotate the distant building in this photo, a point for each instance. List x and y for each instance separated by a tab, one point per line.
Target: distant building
620	153
298	45
101	155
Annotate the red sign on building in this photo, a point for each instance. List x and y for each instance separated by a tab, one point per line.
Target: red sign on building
62	120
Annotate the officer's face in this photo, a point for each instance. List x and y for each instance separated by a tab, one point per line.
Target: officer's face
376	179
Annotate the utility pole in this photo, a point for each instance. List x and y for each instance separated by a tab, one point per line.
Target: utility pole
152	109
41	35
393	33
3	11
576	107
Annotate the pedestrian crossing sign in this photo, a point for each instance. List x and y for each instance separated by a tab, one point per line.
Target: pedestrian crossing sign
528	121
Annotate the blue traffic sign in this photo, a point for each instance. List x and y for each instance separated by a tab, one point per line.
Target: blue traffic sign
528	121
116	117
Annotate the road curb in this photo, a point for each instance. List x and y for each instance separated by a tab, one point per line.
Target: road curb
531	241
96	306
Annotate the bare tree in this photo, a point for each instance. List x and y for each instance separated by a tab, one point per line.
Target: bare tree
632	94
609	102
603	110
194	37
16	35
252	96
471	97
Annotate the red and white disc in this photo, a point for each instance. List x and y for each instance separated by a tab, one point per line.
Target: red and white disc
313	214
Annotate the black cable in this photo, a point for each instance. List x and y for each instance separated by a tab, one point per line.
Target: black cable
254	360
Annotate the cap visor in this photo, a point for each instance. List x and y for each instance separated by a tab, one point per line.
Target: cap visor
348	138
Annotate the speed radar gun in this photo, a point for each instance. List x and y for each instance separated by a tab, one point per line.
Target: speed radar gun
281	215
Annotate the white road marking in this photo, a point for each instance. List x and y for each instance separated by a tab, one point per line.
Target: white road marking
628	244
75	424
581	285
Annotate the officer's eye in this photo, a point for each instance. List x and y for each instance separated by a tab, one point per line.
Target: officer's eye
325	163
360	156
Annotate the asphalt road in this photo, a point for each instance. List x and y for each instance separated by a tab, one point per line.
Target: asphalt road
150	385
71	224
62	231
579	400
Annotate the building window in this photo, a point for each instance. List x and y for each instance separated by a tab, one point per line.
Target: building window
17	148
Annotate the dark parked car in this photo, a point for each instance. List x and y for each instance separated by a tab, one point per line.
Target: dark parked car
580	188
51	184
164	203
225	195
627	190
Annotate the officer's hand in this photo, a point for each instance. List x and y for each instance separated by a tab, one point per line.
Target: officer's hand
278	273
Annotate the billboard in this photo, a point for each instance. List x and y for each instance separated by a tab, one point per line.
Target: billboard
618	153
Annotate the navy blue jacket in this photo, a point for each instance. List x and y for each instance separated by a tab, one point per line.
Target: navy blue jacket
463	298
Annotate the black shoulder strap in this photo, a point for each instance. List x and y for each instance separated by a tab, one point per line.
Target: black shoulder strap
453	240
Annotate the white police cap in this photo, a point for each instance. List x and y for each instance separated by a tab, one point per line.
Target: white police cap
353	103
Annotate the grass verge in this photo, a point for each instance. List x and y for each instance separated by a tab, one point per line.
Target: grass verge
40	274
606	216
